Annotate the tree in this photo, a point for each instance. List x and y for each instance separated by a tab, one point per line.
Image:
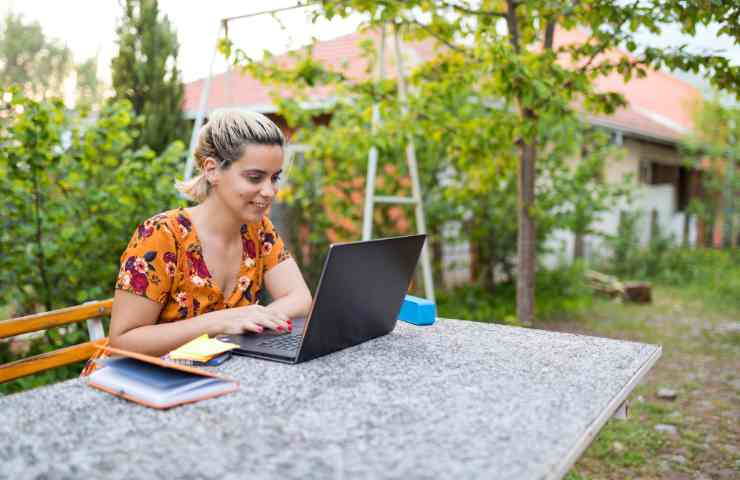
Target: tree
715	149
468	171
89	88
72	191
145	73
512	44
30	59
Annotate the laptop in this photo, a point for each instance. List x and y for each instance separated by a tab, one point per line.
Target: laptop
359	295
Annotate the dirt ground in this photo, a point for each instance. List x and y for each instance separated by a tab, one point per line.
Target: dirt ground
698	433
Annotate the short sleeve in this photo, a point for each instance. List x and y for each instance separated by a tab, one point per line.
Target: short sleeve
272	246
149	262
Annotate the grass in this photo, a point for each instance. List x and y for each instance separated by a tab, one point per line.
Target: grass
701	361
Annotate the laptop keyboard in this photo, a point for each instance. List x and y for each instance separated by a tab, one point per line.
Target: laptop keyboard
283	342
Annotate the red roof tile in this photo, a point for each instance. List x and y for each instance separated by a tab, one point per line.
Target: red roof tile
659	105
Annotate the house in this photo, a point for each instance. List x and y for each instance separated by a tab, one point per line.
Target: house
657	116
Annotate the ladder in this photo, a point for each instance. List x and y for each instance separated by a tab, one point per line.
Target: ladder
370	198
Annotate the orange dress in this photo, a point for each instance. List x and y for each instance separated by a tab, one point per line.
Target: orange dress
164	262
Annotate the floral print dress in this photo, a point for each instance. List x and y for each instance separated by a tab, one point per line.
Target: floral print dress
164	262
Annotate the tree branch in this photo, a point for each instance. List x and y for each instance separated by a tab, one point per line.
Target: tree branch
470	11
593	56
513	23
431	32
549	34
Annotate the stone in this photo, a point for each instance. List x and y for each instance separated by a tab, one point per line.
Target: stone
677	476
727	474
680	459
618	447
667	394
670	429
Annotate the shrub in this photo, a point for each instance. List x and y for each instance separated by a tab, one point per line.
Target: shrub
559	292
72	190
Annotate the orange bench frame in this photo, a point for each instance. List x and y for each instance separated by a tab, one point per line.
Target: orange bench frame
90	311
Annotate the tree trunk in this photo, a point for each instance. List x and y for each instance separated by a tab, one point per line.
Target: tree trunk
686	225
654	227
578	246
728	230
526	235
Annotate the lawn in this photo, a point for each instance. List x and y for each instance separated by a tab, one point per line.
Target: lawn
699	433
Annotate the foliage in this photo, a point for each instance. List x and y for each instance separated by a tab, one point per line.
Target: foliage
562	291
579	194
89	87
464	147
623	248
711	274
72	190
523	82
325	194
30	59
145	73
715	149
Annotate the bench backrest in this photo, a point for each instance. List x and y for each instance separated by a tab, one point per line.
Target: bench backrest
90	311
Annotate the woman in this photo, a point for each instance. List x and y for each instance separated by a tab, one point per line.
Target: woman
199	270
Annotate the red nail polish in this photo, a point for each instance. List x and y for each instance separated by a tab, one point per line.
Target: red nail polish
279	329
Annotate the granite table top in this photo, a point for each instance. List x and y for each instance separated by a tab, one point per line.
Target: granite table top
456	399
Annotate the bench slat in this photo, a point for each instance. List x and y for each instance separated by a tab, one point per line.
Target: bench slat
42	321
48	360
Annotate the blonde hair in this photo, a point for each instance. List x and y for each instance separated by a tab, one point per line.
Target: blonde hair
224	139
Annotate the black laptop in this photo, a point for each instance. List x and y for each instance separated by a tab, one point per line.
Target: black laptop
358	297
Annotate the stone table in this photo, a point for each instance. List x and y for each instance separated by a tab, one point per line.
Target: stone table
457	399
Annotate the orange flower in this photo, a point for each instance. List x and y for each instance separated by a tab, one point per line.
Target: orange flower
356	197
332	235
403	225
395	213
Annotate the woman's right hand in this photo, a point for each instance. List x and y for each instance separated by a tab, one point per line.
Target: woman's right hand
252	318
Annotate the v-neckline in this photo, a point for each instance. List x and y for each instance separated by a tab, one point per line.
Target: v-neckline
210	275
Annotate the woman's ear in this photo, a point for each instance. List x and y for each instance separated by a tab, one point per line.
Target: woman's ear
210	169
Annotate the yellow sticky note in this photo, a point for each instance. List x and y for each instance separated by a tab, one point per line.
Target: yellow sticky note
202	349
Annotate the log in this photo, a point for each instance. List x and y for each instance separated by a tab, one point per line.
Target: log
637	292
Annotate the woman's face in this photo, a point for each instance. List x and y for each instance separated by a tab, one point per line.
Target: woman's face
249	185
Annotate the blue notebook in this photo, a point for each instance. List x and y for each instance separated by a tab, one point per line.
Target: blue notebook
154	382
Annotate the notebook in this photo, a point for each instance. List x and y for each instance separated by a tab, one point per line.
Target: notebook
155	383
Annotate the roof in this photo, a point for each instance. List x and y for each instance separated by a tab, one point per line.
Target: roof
241	90
659	105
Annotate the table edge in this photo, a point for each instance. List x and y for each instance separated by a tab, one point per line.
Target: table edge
590	434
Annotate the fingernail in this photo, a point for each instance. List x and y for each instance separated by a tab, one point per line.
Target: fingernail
259	329
279	329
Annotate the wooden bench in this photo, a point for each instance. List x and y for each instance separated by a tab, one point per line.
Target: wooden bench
90	311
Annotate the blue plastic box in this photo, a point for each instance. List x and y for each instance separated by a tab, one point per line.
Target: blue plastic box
418	311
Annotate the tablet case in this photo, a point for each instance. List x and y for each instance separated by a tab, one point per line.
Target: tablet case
157	361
